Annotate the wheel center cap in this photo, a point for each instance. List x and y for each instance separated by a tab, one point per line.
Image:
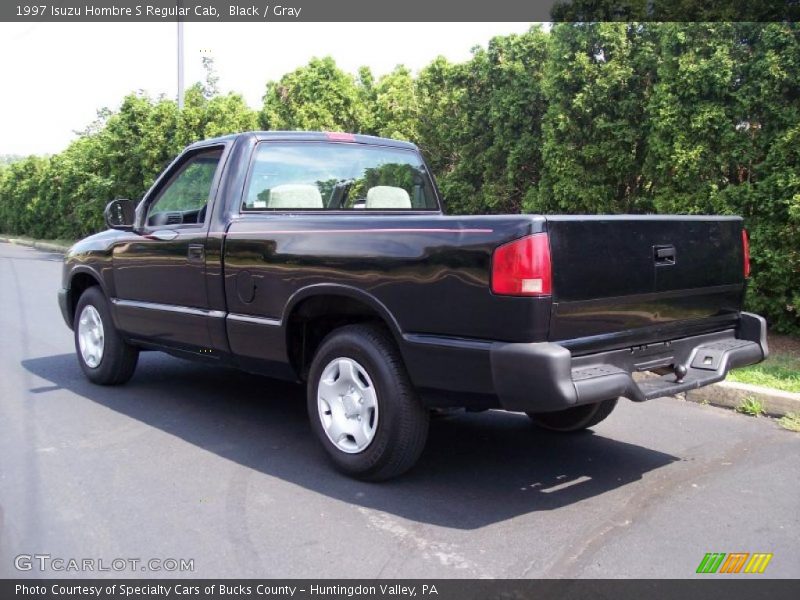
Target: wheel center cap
351	406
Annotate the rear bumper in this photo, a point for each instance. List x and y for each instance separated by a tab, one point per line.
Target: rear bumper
543	377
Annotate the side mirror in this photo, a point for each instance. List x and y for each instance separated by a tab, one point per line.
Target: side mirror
120	214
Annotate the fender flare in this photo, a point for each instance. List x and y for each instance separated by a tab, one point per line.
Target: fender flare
87	270
346	291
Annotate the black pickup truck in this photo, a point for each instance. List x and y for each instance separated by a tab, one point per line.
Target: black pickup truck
326	258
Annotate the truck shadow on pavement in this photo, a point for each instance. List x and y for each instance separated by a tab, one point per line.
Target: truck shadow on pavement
477	469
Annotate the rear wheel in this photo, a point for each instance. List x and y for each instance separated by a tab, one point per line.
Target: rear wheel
104	356
362	406
574	419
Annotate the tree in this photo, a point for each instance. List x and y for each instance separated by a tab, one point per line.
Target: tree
598	80
393	105
766	188
211	85
480	123
221	115
696	133
514	70
318	96
19	197
774	228
7	159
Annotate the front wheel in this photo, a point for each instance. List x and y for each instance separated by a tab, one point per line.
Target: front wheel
104	356
574	419
362	406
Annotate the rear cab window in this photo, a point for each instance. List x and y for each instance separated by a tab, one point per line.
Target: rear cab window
320	176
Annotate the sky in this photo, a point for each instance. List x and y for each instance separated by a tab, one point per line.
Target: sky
56	76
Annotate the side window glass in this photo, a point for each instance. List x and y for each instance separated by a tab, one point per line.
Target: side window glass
185	197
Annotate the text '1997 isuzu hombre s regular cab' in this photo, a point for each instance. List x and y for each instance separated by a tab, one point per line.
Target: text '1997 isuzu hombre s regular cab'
326	258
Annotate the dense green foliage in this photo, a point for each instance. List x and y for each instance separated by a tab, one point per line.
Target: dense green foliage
589	117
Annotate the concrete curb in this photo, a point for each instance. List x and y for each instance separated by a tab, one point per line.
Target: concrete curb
47	246
730	394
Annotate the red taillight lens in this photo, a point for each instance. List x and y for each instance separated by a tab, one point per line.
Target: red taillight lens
522	267
746	253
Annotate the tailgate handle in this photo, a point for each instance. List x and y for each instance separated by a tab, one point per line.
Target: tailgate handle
664	255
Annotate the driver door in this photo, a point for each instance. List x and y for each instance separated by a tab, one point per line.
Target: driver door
159	275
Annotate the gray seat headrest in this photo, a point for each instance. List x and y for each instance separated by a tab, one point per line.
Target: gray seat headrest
387	196
295	195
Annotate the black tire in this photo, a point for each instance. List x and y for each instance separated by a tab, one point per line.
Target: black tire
118	361
402	423
574	419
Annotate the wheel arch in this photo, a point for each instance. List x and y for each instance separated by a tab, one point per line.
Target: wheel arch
313	312
80	280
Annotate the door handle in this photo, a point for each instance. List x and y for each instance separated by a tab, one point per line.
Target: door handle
664	255
196	252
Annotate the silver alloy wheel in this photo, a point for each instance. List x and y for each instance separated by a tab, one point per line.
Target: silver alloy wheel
90	336
348	405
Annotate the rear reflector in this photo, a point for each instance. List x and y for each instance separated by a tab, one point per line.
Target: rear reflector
522	267
336	136
746	253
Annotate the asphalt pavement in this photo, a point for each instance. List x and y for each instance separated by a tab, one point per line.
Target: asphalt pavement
220	467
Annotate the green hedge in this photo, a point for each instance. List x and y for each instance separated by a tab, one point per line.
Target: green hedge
600	117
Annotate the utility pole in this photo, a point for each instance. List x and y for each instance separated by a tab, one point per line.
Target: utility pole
180	59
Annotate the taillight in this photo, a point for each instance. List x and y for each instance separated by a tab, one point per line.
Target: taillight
746	253
522	267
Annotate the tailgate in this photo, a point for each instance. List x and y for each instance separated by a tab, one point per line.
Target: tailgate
628	280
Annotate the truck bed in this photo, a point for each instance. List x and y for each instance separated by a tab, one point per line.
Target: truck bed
429	275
